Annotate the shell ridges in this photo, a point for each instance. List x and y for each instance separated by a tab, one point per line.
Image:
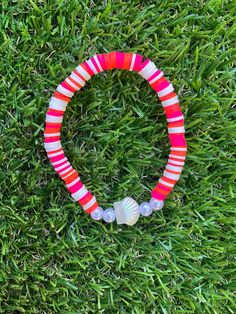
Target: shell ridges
127	211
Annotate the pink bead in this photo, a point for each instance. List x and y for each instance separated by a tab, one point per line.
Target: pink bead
101	60
137	62
52	139
74	188
84	197
66	87
120	56
55	114
161	86
177	140
57	158
163	187
173	114
158	196
154	75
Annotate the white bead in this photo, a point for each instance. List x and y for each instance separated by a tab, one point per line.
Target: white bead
97	213
64	91
53	119
52	146
178	129
145	209
166	91
109	215
169	102
156	204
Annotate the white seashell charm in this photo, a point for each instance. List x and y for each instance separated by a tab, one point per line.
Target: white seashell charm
127	211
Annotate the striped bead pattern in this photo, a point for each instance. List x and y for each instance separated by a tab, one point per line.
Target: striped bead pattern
76	80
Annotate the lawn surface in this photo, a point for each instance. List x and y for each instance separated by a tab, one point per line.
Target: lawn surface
53	257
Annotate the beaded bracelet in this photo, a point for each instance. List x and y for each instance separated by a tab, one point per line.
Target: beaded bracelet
128	210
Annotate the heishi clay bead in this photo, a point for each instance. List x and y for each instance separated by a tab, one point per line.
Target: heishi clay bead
109	215
145	209
97	214
156	204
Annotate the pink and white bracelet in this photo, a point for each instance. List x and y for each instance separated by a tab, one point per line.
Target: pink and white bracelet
126	211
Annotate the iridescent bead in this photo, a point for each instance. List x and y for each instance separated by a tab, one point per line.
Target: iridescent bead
109	215
156	204
97	213
145	209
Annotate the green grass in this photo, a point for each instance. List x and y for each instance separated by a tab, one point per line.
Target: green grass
53	257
